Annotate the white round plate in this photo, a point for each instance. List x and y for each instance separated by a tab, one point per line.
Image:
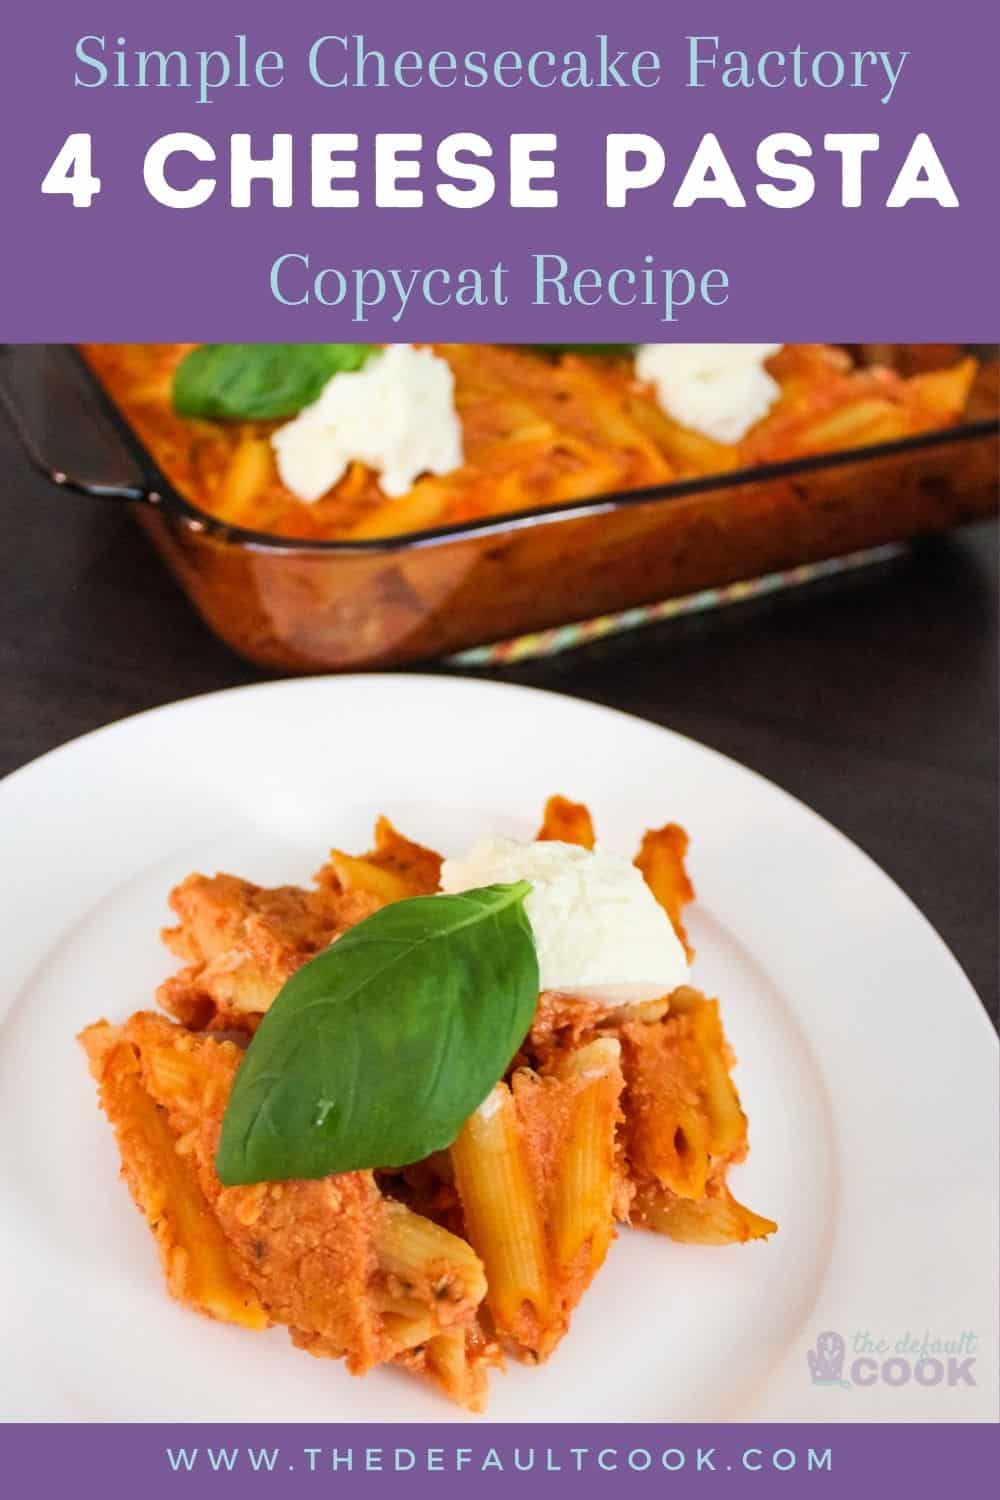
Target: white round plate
866	1065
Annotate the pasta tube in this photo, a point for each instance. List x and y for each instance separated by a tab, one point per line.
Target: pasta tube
715	1220
503	1218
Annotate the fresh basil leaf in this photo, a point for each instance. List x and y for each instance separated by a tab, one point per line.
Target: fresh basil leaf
259	382
377	1051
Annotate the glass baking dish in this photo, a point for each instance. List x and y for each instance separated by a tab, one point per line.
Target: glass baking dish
320	606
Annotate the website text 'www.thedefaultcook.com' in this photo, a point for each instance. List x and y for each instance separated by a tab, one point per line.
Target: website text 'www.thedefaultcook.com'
515	1458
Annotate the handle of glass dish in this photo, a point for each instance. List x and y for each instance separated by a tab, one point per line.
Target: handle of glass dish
66	430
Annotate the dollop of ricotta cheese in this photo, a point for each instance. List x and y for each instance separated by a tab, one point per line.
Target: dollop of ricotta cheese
719	390
396	414
599	932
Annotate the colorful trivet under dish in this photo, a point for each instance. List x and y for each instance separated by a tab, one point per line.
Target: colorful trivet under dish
566	637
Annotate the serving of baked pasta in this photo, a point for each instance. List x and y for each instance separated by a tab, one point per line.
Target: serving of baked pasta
404	1110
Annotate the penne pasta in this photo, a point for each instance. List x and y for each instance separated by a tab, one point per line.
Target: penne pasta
242	942
392	870
726	1120
350	1273
249	471
196	1261
667	1131
363	874
425	506
661	860
459	1361
585	1187
684	1125
428	1262
567	822
714	1220
503	1218
538	1177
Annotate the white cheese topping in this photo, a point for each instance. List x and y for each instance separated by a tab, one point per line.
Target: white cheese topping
396	414
720	390
598	929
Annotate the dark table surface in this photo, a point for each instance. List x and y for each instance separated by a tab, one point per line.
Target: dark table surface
872	697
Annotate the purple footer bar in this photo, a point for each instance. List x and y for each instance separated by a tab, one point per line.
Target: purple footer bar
159	1460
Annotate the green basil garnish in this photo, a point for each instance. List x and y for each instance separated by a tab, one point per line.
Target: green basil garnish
259	382
377	1051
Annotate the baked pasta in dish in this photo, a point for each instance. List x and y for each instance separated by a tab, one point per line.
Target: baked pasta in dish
532	428
612	1111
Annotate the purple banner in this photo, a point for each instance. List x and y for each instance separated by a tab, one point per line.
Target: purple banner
159	1461
591	172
